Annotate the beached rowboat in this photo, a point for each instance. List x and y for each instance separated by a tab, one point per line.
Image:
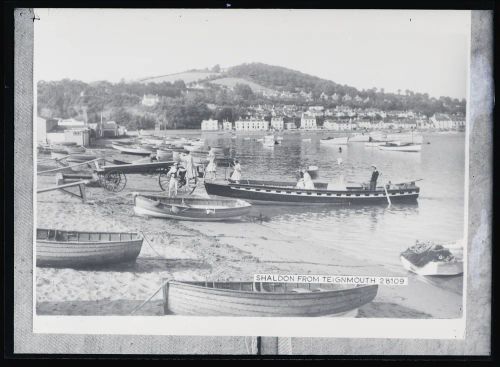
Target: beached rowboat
434	267
131	149
276	192
57	248
264	299
195	209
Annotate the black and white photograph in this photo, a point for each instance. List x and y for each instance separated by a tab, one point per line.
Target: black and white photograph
306	167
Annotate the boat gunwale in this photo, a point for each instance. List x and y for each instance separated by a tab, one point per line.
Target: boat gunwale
138	237
301	295
245	204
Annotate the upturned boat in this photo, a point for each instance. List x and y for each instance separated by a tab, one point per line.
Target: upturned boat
264	299
194	209
58	248
335	141
286	193
401	147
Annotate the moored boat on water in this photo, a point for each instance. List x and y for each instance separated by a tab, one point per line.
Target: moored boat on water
58	248
359	138
264	299
286	193
400	147
335	141
194	209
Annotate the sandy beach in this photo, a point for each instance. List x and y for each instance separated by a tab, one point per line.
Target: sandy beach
202	251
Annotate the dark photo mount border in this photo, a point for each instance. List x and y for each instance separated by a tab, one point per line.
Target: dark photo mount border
266	346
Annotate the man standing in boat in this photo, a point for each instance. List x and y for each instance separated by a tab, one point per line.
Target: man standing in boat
373	180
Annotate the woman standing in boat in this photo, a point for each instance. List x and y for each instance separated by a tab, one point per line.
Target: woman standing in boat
211	167
236	176
308	182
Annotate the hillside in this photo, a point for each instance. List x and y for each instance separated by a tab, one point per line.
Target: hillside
231	82
187	77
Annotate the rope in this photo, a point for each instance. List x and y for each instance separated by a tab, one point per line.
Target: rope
285	346
152	248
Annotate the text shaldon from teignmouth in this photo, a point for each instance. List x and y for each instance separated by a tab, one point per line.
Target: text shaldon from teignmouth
330	279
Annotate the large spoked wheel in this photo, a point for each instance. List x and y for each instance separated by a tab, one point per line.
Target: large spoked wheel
164	180
114	181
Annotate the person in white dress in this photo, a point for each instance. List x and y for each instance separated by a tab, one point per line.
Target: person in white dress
308	182
236	176
211	167
300	183
172	184
190	169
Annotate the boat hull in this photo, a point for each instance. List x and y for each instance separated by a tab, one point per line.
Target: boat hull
131	150
280	195
194	299
335	141
53	253
402	148
434	267
205	210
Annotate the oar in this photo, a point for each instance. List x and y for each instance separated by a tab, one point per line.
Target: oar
387	195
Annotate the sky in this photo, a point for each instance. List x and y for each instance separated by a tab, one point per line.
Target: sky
423	51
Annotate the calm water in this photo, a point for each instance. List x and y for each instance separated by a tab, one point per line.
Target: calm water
381	232
376	233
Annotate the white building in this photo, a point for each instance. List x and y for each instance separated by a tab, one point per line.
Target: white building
210	125
227	125
150	100
277	123
251	125
80	136
337	125
290	126
308	122
441	121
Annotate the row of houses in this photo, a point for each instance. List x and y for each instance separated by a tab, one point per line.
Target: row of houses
53	131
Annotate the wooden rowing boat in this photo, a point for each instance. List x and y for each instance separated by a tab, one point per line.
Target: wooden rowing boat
264	299
195	209
131	149
437	268
286	193
57	248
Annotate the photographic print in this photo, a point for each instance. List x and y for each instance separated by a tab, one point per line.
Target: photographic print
284	170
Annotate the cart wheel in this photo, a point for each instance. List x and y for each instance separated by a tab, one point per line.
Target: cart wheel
163	180
114	181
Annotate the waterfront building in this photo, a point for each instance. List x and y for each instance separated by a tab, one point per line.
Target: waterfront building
251	125
441	121
308	122
210	125
277	123
227	125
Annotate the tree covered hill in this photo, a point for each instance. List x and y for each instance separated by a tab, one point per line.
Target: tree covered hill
218	94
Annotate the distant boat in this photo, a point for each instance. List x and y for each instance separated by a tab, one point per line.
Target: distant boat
375	143
264	299
195	209
359	138
58	248
400	147
131	149
335	141
163	155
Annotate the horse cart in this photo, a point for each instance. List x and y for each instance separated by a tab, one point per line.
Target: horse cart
113	177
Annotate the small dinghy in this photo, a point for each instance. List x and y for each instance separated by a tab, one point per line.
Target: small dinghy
58	248
428	258
195	209
264	299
